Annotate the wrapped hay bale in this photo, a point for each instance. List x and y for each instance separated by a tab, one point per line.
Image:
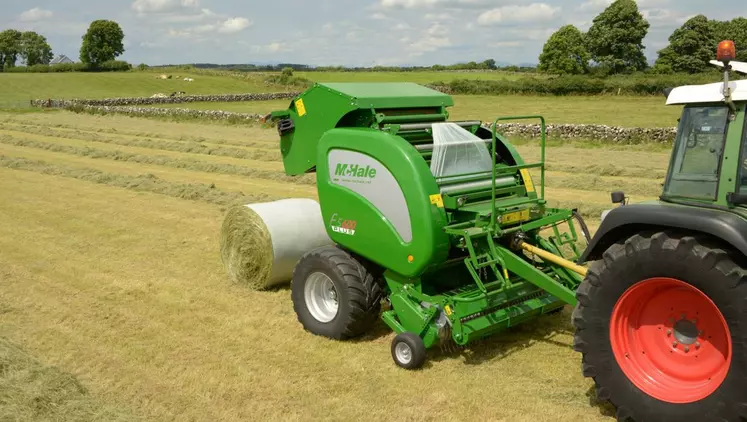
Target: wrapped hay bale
261	243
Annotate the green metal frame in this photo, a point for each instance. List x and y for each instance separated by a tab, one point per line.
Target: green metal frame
518	289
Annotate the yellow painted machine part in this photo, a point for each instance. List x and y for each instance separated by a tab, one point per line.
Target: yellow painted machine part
554	258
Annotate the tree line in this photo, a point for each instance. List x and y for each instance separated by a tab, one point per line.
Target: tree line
614	44
101	45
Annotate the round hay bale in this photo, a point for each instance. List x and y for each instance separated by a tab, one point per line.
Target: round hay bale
261	243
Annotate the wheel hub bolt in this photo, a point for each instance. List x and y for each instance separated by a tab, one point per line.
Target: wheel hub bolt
687	349
669	333
697	345
674	344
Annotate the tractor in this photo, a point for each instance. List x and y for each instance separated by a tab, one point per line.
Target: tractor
440	229
661	314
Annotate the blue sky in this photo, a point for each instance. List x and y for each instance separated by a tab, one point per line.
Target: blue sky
337	32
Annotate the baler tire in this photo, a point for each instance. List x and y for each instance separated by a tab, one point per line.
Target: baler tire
359	294
717	285
415	347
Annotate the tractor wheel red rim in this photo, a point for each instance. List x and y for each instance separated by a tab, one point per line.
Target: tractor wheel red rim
670	340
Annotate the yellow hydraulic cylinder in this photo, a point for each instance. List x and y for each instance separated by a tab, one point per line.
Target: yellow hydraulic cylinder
554	258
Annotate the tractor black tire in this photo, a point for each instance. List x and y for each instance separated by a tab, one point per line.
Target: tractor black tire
708	271
358	293
408	350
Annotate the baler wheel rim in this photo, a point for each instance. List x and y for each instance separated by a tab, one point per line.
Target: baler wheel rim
670	340
321	297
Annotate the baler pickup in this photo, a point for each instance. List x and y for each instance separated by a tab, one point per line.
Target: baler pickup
443	220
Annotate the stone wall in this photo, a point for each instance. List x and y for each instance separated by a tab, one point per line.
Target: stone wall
613	134
595	132
177	99
165	112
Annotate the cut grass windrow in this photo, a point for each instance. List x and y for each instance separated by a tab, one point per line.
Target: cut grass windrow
143	183
33	127
30	390
176	146
178	163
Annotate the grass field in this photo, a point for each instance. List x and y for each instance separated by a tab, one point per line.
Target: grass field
112	281
615	111
18	88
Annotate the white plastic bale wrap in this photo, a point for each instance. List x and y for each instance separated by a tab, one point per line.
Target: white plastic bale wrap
458	151
261	243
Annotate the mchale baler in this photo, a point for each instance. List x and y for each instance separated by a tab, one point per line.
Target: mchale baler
439	221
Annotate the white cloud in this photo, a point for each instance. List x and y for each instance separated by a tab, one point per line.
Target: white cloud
202	15
234	25
438	16
419	4
595	5
435	37
163	6
535	12
34	15
379	16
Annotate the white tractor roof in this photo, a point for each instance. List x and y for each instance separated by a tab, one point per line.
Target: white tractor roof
708	93
711	93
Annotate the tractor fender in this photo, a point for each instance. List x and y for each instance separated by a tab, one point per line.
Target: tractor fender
625	221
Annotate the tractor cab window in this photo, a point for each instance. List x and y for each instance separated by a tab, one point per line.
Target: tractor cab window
697	153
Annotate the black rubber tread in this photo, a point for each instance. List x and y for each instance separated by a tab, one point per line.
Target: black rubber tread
417	347
359	293
699	261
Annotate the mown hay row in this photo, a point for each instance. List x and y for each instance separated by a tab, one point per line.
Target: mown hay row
159	160
59	131
174	146
30	390
595	183
143	183
608	170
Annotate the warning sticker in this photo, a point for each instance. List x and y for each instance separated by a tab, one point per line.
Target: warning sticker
437	200
300	107
527	180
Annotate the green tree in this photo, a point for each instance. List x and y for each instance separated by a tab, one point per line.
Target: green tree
615	39
690	47
10	47
102	42
565	52
735	30
490	64
35	49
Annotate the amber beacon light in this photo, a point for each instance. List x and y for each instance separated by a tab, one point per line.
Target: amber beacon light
726	51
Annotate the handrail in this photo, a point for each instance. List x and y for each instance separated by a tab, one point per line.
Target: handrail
542	160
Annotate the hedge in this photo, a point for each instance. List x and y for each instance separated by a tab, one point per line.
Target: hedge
643	84
110	66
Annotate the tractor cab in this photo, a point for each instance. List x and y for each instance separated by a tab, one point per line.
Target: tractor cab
709	143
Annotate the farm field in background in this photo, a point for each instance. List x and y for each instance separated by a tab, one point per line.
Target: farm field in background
627	111
19	88
421	77
111	272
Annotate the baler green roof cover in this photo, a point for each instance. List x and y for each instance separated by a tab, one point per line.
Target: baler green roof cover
390	94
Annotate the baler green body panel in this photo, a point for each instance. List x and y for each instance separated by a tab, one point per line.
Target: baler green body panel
328	105
374	189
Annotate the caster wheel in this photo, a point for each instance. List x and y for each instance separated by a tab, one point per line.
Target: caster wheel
408	351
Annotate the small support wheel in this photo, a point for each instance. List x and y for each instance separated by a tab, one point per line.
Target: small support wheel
408	351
